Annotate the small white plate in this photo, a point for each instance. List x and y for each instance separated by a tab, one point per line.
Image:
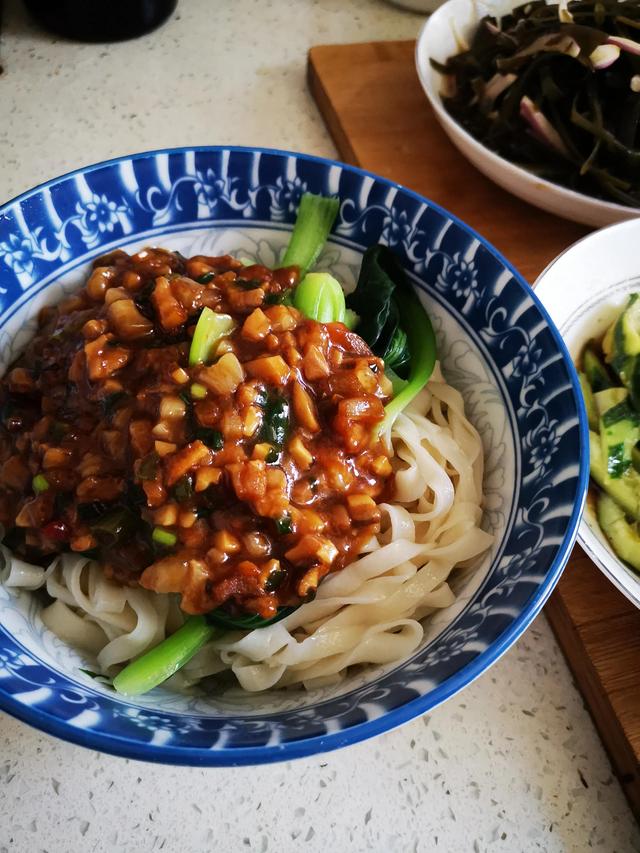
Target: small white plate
583	290
442	37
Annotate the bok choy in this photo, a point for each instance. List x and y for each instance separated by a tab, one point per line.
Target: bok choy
315	219
394	323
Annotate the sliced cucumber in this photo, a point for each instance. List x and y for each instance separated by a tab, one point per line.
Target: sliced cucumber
625	490
589	402
619	432
623	537
633	383
607	341
626	340
595	370
630	326
609	398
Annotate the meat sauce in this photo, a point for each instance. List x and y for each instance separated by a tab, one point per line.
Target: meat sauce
239	483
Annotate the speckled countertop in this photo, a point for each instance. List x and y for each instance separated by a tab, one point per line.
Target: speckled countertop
513	763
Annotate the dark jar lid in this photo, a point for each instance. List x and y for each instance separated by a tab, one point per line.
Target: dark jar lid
100	20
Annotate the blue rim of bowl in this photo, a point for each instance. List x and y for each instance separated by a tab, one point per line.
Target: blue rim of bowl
239	756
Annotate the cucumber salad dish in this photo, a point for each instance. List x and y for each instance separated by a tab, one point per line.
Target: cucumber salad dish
610	379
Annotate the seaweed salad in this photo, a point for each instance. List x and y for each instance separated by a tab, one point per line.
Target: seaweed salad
556	89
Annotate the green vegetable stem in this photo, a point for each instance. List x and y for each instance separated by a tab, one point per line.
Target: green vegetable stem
315	219
209	331
320	297
161	662
165	659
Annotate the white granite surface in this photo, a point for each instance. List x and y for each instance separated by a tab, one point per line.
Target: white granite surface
513	763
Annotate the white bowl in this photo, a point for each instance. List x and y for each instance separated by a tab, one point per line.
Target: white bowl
583	290
441	38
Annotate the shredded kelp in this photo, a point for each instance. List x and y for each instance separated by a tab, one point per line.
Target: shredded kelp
556	89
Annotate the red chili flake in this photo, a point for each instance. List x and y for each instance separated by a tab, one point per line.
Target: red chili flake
57	530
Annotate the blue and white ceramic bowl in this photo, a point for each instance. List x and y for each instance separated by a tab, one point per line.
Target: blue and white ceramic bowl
496	344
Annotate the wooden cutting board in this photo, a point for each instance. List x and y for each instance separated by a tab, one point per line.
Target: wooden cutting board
371	100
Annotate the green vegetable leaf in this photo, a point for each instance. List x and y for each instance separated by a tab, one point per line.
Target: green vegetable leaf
422	345
283	524
285	297
213	438
372	299
111	402
246	622
394	324
397	353
115	527
272	456
183	489
276	422
97	676
148	466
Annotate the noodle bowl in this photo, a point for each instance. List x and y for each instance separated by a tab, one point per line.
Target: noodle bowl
496	347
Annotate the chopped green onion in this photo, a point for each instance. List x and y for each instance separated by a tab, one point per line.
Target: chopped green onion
285	297
320	297
161	662
209	331
275	425
260	398
110	403
164	537
148	466
205	278
58	430
249	283
40	484
183	489
283	524
115	526
198	391
274	579
213	438
272	456
315	219
91	511
246	262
